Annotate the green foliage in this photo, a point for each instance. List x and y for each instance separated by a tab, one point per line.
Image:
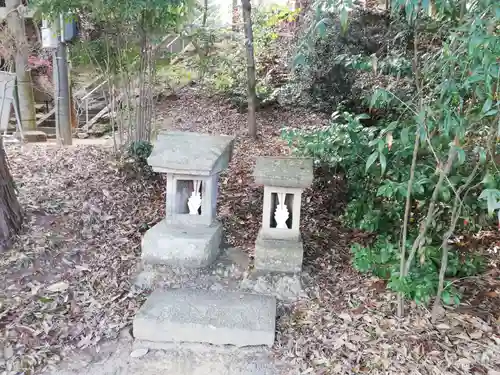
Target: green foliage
140	151
338	58
221	56
117	28
121	42
454	110
382	259
147	16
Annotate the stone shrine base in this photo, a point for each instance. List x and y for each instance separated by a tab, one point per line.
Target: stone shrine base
278	255
200	316
231	271
181	246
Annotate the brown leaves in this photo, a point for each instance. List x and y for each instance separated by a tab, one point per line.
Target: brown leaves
66	283
77	251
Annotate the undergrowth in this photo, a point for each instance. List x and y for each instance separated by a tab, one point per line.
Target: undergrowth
220	57
417	145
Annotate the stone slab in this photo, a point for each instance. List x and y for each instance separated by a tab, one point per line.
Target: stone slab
34	136
200	316
115	358
284	286
181	246
284	172
187	360
191	153
278	255
225	273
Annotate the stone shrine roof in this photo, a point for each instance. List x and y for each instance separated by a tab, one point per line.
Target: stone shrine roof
190	153
284	172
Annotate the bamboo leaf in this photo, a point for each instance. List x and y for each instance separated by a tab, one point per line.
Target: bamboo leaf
487	105
299	60
321	27
371	160
383	162
344	18
405	136
460	155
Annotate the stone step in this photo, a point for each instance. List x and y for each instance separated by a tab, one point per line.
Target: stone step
207	359
201	316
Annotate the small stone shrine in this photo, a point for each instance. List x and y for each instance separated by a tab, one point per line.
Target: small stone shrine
279	245
189	236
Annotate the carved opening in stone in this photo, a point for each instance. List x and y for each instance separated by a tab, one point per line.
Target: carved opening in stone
281	210
188	194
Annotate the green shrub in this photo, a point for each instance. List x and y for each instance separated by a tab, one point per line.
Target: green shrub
140	151
222	61
382	259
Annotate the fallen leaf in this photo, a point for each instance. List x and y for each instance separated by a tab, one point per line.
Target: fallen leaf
443	326
58	287
8	352
139	353
476	335
346	317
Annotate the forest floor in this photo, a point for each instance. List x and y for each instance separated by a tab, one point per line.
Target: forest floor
66	284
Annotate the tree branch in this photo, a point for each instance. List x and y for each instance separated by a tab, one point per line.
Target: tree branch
430	212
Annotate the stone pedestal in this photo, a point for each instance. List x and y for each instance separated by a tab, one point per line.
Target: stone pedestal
279	244
280	255
182	246
189	236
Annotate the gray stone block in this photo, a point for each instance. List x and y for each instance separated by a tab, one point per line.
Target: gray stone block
34	136
204	359
285	172
181	246
213	317
191	153
145	280
278	255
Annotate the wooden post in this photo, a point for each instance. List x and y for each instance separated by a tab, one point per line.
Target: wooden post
15	23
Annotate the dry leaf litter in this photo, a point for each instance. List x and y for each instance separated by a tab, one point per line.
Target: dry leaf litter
66	284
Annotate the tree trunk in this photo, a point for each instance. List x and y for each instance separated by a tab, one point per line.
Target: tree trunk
10	210
252	98
235	19
205	13
463	9
15	23
63	99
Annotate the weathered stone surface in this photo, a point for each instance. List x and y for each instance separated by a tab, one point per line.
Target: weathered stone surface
284	172
214	317
181	246
191	153
278	255
33	136
282	285
226	272
145	280
208	360
114	358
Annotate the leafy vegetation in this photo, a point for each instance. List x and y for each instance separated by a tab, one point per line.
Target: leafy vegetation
220	56
422	166
121	40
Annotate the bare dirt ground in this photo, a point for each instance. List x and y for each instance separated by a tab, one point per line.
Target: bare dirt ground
65	286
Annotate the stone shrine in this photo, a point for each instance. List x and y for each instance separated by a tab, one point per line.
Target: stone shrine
190	235
186	243
279	245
